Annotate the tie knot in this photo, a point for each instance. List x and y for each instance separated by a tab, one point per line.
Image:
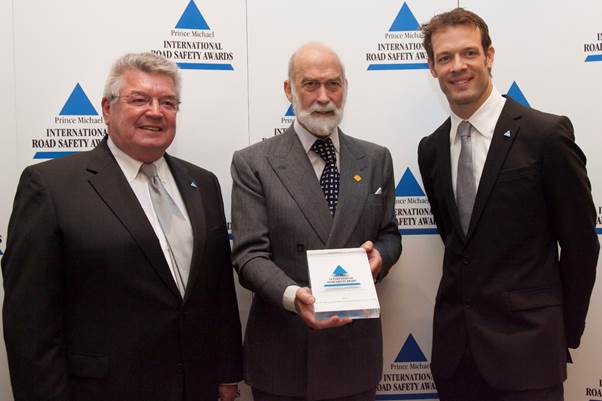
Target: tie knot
149	170
464	129
325	149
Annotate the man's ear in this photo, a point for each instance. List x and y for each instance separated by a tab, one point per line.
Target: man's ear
288	90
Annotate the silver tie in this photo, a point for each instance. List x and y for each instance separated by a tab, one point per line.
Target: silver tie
466	188
178	233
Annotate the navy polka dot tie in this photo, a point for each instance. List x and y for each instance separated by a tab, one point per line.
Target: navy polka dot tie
329	181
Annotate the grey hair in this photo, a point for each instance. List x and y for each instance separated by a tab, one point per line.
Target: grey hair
291	61
147	62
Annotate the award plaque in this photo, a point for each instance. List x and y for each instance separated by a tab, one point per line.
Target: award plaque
342	283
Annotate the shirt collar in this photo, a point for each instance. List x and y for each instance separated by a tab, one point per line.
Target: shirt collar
131	166
484	119
307	138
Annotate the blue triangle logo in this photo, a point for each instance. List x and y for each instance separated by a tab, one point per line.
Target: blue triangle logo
410	352
290	112
405	20
192	18
78	104
339	271
515	93
408	186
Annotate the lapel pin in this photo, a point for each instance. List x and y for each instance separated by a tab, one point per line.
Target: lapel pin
357	178
507	134
193	184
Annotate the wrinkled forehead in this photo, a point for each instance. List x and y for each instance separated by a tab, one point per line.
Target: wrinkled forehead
317	63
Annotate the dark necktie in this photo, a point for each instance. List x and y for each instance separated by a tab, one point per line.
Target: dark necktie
466	188
173	223
329	181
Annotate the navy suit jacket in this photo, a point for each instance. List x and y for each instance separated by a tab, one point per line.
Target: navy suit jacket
91	310
506	290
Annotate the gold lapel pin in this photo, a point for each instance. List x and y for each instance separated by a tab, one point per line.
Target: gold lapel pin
357	178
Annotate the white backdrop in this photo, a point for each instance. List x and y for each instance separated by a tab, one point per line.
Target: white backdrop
50	47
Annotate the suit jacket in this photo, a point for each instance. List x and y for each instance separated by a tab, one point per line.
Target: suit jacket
505	289
279	212
91	310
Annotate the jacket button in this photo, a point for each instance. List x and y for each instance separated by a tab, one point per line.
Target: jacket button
466	260
300	248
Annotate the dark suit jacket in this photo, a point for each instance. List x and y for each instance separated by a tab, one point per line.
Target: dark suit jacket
91	311
505	288
278	213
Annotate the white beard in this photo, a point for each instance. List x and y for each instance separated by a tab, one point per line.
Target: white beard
321	126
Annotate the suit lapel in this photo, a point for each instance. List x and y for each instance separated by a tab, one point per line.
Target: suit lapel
501	142
110	184
292	166
352	193
443	149
196	213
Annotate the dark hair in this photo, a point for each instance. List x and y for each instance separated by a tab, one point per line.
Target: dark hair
457	16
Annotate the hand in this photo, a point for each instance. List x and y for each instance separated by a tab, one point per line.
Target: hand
374	258
304	304
227	392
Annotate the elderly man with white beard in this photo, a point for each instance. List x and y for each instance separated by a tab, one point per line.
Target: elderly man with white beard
313	187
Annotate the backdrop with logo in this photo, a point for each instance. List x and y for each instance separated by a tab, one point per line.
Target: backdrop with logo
234	56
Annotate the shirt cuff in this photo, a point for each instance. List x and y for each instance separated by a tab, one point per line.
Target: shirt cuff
288	298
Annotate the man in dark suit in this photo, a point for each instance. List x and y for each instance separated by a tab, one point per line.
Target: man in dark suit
507	186
107	296
280	210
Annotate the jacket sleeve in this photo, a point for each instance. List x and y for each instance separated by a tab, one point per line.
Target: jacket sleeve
251	253
569	199
33	301
388	241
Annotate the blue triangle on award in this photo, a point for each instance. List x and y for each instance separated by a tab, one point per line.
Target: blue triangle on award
405	20
408	186
515	93
192	18
339	271
410	352
290	112
78	104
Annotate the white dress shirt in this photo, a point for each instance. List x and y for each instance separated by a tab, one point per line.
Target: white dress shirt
483	123
139	184
307	140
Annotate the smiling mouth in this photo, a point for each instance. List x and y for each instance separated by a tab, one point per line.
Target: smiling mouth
151	128
323	113
461	82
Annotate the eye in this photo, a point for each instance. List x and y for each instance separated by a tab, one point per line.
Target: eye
169	103
138	100
333	85
443	59
311	85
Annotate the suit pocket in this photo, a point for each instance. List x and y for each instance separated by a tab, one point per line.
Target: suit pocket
532	298
375	200
89	366
513	174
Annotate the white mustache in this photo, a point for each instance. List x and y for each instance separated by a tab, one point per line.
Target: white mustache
322	108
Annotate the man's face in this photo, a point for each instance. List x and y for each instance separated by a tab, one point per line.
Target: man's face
142	130
318	91
462	67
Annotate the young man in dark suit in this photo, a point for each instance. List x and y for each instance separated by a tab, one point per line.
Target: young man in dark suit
508	187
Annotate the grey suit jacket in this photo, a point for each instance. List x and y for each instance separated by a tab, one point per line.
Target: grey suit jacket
279	212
